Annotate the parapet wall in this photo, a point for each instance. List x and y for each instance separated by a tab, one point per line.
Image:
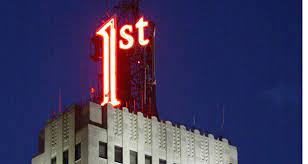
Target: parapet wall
163	140
133	132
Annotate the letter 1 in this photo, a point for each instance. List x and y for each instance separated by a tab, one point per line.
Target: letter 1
109	62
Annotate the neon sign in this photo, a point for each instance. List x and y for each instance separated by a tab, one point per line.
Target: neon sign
108	32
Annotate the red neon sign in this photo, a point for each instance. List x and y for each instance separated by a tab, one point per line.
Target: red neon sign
127	37
108	33
141	25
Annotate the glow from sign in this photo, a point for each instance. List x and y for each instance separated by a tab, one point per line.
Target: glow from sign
108	33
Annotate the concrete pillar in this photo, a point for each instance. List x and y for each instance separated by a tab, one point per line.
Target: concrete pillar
125	139
211	149
110	133
71	149
226	151
169	142
47	144
197	143
183	145
95	112
93	145
140	147
59	145
155	135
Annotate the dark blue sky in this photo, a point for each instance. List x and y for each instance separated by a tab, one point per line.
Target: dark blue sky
244	55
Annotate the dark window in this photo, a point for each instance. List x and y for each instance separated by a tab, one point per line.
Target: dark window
148	159
103	150
133	157
161	161
65	157
54	160
77	151
118	155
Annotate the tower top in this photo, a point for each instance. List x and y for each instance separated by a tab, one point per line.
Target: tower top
124	47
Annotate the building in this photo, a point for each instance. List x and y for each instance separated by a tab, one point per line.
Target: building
92	134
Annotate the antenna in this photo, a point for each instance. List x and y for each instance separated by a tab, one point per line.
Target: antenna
194	121
60	101
223	117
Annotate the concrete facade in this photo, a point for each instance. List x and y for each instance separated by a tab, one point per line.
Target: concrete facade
160	140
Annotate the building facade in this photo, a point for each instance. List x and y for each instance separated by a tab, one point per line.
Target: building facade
91	134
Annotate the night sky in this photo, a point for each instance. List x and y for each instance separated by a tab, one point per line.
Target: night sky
240	56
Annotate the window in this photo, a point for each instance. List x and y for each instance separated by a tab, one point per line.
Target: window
53	160
133	157
103	150
161	161
77	151
118	156
148	159
65	157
